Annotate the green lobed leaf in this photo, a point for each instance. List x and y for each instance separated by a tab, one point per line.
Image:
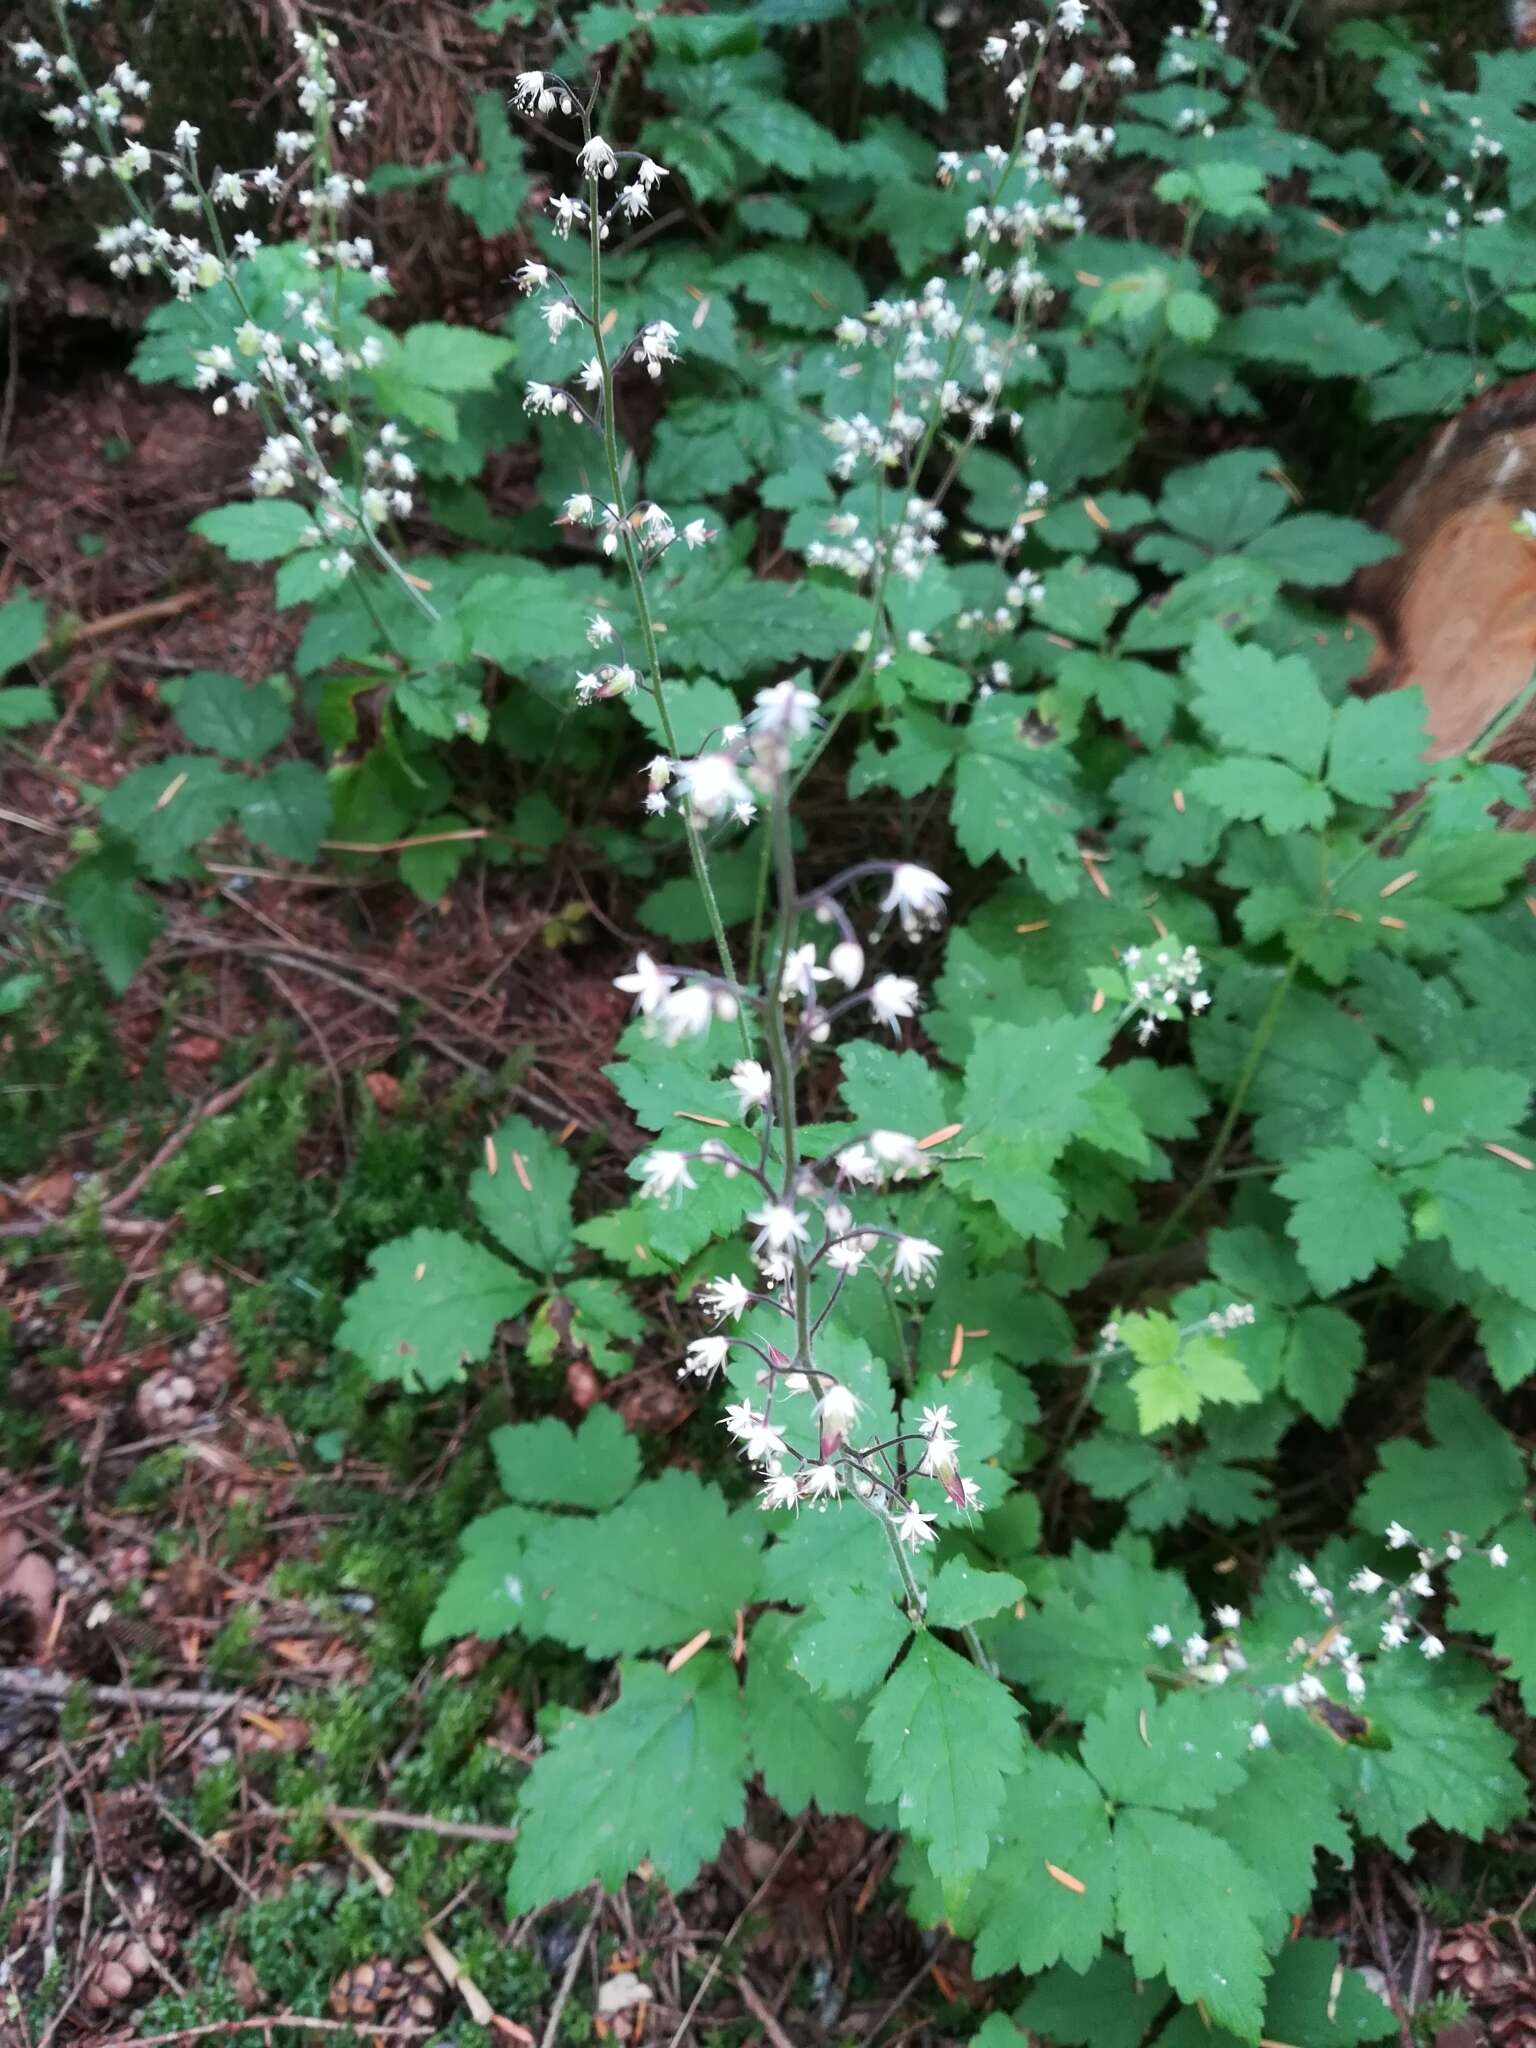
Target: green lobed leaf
432	1304
592	1466
805	1746
943	1738
241	721
264	530
522	1195
1187	1907
658	1777
648	1574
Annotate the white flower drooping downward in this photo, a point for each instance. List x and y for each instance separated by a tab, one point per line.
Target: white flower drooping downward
916	895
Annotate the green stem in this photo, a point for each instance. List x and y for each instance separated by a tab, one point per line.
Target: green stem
915	1602
696	853
1261	1037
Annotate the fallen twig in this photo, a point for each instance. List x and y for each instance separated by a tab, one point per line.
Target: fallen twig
447	1963
562	1996
53	1689
212	1106
135	615
428	1824
735	1928
373	2028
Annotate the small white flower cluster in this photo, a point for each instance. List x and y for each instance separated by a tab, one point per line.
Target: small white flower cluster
1215	1660
1163	979
806	1235
1189	49
952	352
299	381
1464	207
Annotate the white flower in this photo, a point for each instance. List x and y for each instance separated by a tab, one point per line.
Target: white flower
917	894
916	1262
696	533
713	784
532	277
820	1482
1258	1736
762	1442
725	1299
1432	1647
650	985
186	137
596	159
1070	16
902	1155
687	1013
781	1489
838	1412
577	508
846	962
1196	1649
707	1355
1398	1537
741	1418
915	1528
893	997
1498	1556
938	1458
779	1227
1366	1581
753	1084
1305	1577
787	710
937	1421
664	1172
1160	1635
1227	1617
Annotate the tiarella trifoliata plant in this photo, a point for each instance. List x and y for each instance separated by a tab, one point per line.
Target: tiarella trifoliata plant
1081	1232
304	375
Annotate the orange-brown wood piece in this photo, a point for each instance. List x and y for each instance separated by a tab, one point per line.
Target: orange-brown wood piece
1455	611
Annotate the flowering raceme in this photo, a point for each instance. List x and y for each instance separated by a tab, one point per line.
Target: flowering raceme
306	377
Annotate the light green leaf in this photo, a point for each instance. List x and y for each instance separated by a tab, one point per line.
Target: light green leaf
1017	801
1255	703
1346	1220
523	1195
432	1303
1481	1208
648	1574
961	1595
851	1642
1308	2001
658	1777
1266	792
1467	1481
1048	1892
592	1466
1500	1601
484	1594
902	54
238	720
1026	1097
805	1747
170	806
25	704
1187	1907
264	530
451	359
1377	749
943	1738
114	916
1189	1752
23	629
288	810
1447	1761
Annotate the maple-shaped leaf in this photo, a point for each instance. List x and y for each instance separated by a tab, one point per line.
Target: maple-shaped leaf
1347	1217
943	1740
658	1777
432	1304
1048	1892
